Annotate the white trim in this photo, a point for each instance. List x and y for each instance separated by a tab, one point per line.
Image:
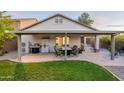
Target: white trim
97	41
66	31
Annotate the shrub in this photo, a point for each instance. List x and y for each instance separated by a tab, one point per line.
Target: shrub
119	40
106	41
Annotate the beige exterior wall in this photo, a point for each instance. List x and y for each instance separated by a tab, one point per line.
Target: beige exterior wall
26	22
22	23
75	40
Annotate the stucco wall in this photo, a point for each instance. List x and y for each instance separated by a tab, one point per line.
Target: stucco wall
75	40
26	22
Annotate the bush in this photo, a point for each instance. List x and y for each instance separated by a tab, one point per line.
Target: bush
119	40
106	41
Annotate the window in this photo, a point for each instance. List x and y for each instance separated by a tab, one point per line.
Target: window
64	40
61	41
23	44
56	20
59	20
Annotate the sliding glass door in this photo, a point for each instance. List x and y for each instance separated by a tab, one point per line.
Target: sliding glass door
60	41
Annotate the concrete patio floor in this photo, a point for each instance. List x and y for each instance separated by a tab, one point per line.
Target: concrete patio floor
102	58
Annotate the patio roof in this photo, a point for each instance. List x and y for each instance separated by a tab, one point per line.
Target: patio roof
66	31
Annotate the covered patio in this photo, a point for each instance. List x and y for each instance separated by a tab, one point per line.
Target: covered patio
60	25
69	32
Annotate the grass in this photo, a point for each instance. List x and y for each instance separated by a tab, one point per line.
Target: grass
57	71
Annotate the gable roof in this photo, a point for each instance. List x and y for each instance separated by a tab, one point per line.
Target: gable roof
60	16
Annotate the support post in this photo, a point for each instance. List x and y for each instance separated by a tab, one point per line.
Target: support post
19	48
96	43
112	46
65	46
85	43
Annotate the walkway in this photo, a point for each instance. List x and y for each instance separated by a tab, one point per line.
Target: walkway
117	70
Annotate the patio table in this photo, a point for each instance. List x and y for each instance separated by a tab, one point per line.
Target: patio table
68	50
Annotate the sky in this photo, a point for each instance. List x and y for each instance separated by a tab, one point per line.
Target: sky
103	20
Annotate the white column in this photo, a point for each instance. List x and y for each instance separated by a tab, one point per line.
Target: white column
65	46
112	46
85	43
19	47
97	43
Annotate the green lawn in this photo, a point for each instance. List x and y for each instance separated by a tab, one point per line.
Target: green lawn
57	70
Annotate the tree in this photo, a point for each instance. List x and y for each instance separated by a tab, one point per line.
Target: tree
5	25
85	19
1	13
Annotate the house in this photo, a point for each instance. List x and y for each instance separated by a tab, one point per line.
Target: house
59	30
11	45
24	22
56	22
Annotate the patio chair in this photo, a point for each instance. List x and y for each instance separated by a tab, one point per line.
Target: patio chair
75	50
116	53
57	51
81	49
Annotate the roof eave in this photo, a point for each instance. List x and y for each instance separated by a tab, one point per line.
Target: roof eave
69	32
